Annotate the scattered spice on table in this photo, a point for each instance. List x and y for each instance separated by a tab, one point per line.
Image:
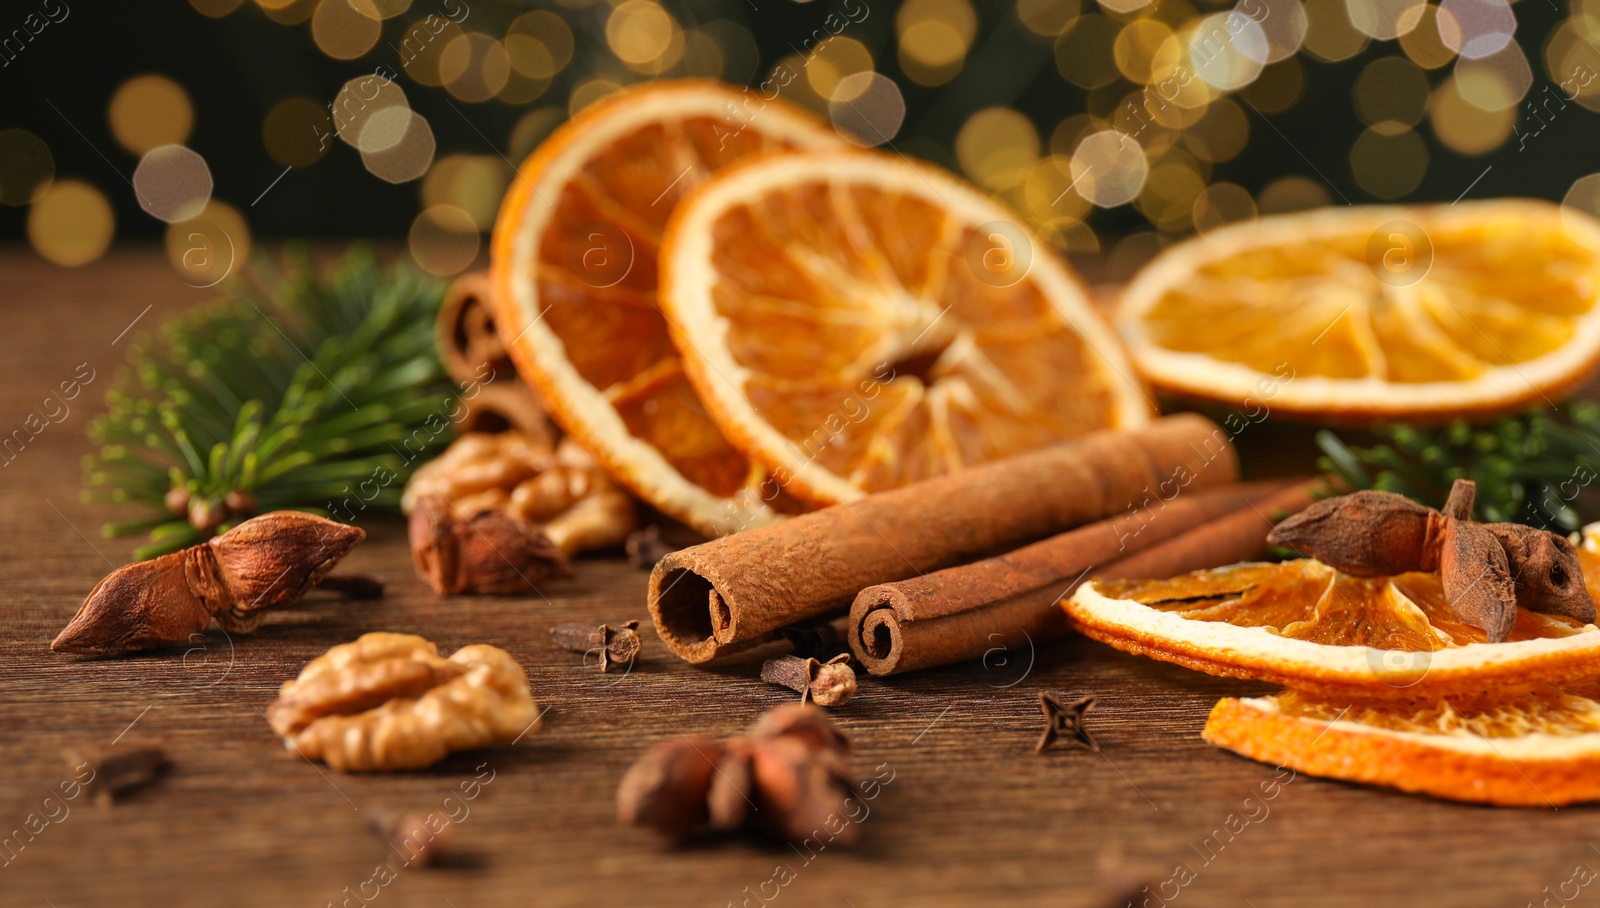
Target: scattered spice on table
120	768
788	776
1063	721
831	683
615	645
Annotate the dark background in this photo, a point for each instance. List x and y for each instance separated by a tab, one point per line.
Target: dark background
235	68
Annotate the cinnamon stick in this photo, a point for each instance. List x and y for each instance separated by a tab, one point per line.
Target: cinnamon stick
1240	536
958	613
474	355
739	591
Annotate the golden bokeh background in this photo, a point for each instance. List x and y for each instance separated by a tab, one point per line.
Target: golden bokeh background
1113	126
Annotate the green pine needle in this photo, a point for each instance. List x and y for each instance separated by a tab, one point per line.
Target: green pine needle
292	396
1532	468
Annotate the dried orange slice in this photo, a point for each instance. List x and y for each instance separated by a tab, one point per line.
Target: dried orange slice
1533	745
859	323
1419	312
574	269
1304	625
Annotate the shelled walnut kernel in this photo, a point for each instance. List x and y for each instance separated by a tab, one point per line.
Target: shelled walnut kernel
389	701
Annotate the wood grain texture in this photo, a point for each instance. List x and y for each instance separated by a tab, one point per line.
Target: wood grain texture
972	816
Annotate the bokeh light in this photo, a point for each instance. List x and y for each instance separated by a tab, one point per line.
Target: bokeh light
935	35
1329	35
997	146
1422	44
868	108
1292	193
1222	203
1388	163
644	36
1109	169
296	132
173	183
1495	81
1465	127
1283	22
1391	90
1476	28
407	158
444	240
1384	20
149	111
1084	52
1047	17
345	29
471	183
70	223
835	60
1228	50
207	247
26	167
365	99
474	67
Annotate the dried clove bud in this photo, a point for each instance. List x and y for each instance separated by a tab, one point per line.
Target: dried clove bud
615	644
645	547
830	683
667	789
266	561
418	839
789	776
120	768
1064	721
817	641
1487	569
487	552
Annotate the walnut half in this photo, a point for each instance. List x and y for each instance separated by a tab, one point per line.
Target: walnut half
389	701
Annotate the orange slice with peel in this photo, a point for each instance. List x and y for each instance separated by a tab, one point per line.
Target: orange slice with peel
1534	745
1421	313
859	322
1304	625
574	264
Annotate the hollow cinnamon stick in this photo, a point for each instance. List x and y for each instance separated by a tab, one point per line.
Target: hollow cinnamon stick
959	613
1240	536
473	354
738	591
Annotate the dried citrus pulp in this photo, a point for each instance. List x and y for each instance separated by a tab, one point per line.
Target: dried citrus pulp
574	267
1388	686
859	322
1414	312
1533	745
1305	625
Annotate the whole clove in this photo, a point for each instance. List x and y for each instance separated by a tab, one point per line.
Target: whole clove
614	644
265	562
1486	569
1064	721
788	776
830	683
120	768
418	839
645	547
489	551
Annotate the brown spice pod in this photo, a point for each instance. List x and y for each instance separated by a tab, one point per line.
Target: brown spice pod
738	591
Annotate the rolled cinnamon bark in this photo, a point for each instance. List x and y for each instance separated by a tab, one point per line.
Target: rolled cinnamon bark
473	354
1240	536
738	591
958	613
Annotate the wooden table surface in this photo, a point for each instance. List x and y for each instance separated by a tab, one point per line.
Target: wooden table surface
972	815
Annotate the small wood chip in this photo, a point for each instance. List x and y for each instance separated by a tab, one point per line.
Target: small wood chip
120	768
